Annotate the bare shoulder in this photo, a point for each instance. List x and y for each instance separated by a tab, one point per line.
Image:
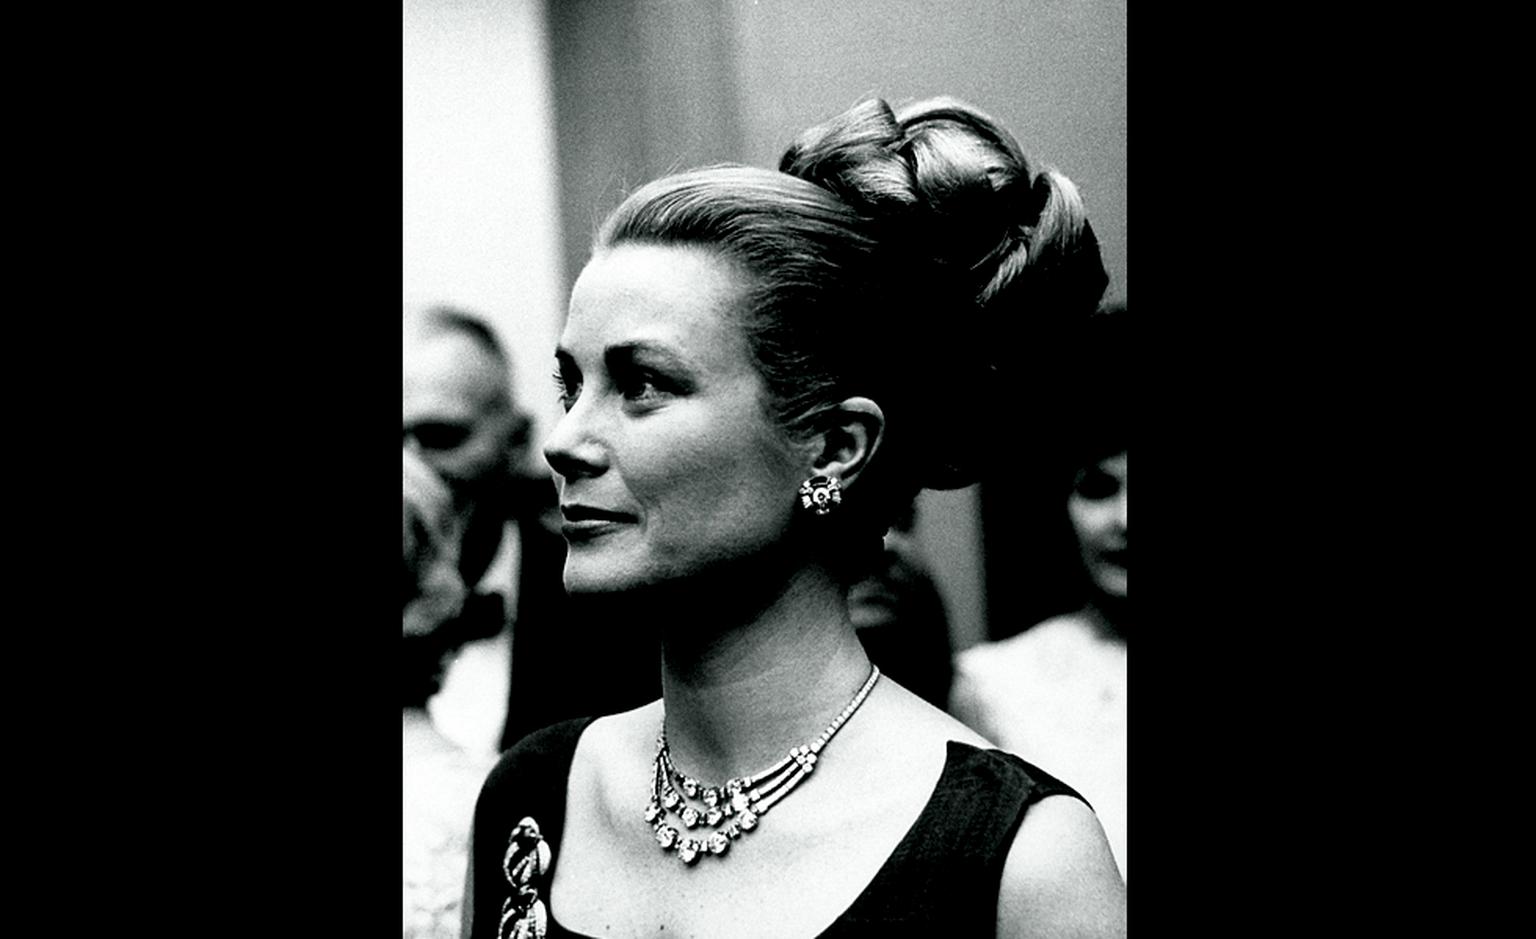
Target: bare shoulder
619	737
1060	878
919	719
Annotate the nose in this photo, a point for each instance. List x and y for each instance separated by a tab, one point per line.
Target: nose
574	449
1119	508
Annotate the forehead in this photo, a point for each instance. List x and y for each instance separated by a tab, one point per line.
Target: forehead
448	374
679	296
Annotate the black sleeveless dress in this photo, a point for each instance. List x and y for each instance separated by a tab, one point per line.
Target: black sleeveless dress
942	879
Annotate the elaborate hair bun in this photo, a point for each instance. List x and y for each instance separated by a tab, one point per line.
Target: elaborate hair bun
1000	250
971	200
857	155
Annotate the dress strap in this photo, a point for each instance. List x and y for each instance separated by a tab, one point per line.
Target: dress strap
529	782
944	876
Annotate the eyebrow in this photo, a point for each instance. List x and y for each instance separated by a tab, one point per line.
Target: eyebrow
639	347
628	351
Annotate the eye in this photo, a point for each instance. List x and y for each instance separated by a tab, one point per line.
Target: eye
641	385
567	385
1093	483
439	435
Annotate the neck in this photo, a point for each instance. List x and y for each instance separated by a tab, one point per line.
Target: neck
742	682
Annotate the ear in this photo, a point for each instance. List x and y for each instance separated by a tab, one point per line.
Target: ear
851	434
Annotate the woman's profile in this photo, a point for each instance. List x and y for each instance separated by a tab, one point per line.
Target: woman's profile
760	370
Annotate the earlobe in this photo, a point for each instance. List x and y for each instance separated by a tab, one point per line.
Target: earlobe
854	430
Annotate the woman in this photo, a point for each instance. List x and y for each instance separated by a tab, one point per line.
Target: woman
747	410
1055	694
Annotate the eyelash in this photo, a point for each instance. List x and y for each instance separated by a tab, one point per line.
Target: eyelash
635	385
566	396
639	386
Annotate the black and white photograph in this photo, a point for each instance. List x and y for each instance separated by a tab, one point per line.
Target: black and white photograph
766	380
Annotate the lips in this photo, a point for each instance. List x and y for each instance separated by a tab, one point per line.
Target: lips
585	522
587	513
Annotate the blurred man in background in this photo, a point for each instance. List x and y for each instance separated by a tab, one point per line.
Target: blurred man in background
901	618
526	656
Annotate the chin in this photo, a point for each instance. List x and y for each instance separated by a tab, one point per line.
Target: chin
582	583
645	578
588	572
1111	582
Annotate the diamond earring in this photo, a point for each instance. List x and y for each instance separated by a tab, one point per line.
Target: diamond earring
820	493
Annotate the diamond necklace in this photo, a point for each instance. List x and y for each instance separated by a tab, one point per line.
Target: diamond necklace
731	810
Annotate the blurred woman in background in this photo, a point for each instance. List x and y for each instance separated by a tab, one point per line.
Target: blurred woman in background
1055	694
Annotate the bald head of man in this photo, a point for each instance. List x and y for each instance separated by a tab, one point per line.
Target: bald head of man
459	412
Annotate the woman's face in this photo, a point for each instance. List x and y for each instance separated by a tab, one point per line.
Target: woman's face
1097	510
668	464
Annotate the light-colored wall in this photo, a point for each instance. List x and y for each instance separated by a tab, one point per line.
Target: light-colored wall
480	202
1052	71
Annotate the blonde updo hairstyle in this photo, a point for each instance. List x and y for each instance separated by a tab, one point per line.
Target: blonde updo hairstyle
897	254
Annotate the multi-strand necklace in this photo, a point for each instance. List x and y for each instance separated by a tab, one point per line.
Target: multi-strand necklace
730	810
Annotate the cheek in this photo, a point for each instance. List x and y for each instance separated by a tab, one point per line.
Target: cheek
478	455
724	486
1090	520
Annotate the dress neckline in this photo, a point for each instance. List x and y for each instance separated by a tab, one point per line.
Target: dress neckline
954	752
